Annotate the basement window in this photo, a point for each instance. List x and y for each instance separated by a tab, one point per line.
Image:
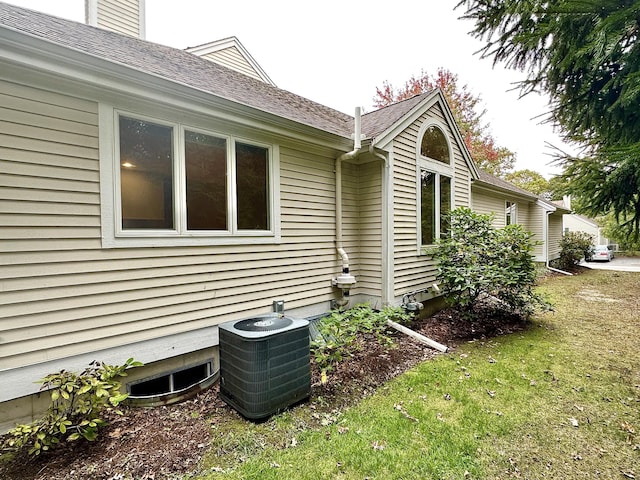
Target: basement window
171	382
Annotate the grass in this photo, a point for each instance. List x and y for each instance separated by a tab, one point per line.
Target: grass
559	400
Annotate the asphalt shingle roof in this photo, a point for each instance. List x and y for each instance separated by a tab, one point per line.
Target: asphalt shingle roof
175	65
503	184
376	122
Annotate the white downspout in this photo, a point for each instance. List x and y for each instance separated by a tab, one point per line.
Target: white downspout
387	221
345	280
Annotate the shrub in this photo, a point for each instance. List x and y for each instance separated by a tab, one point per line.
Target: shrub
339	332
574	247
77	404
480	266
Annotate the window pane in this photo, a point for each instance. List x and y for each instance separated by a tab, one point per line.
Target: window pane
445	205
434	145
428	207
510	213
206	170
252	167
146	174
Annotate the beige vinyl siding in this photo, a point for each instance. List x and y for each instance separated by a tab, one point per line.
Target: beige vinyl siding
232	58
122	16
535	226
62	294
494	203
370	229
413	271
555	235
488	203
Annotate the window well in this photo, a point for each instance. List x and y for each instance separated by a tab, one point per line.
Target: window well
172	387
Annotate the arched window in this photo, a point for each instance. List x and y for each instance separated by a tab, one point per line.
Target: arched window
435	183
434	145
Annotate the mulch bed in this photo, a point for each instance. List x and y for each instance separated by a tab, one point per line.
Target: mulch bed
166	442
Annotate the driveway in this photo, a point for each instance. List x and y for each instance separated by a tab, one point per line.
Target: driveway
622	264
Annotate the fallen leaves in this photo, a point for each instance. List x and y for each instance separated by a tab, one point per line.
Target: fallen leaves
401	409
377	445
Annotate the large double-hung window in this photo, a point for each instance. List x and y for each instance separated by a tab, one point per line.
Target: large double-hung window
174	184
435	173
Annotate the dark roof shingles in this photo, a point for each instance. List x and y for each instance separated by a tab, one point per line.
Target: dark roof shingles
376	122
177	66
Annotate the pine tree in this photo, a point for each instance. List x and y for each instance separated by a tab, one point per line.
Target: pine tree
585	55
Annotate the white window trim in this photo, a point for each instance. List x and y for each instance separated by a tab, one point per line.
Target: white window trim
113	236
439	169
513	210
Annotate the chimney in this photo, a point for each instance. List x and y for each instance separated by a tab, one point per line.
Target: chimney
122	16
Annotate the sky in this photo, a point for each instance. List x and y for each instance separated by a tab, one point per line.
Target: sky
336	52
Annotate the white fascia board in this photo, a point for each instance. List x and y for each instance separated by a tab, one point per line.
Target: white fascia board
546	206
504	192
382	140
98	79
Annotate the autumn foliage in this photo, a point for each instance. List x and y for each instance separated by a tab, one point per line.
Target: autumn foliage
464	106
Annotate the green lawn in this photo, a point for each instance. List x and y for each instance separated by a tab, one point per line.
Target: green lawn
560	400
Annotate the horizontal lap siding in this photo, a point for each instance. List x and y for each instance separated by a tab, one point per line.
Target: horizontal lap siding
370	229
529	215
488	203
232	58
61	294
555	235
119	16
535	226
413	271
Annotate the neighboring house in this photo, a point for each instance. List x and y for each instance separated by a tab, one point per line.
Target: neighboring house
510	204
148	195
573	222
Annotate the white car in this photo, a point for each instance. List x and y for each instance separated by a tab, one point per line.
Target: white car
600	253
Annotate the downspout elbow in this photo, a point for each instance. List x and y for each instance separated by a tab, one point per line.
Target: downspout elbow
378	155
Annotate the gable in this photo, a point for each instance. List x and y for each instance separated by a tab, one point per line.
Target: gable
384	126
230	53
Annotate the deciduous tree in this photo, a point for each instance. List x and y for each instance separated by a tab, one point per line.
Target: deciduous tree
529	180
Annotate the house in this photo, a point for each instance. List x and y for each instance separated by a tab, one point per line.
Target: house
149	194
510	204
573	222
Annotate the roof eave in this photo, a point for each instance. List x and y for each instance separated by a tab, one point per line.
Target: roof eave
495	188
90	74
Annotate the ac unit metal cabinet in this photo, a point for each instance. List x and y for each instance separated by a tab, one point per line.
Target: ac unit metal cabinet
264	364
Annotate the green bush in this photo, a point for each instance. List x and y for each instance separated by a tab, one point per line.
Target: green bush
574	247
484	267
77	404
339	332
